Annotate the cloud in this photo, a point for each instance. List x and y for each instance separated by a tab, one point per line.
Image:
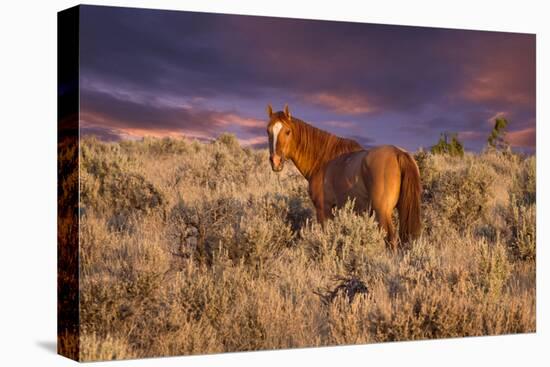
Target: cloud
341	124
522	138
347	105
114	115
502	72
245	124
497	87
103	109
473	135
207	55
168	72
103	133
257	141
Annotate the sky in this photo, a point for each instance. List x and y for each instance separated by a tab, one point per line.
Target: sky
171	73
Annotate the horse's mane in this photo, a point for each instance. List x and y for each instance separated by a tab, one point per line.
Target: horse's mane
315	147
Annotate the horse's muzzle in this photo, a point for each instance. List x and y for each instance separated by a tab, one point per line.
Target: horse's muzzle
277	163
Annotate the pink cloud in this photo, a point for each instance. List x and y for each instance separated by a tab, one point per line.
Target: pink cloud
256	140
525	138
194	123
495	86
522	138
97	120
233	118
502	75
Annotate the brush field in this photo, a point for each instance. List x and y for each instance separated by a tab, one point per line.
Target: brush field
194	248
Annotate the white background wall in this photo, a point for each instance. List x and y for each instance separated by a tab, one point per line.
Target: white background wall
28	181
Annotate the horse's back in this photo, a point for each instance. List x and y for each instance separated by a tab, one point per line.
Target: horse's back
370	177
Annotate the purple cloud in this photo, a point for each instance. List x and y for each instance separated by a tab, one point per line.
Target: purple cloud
200	73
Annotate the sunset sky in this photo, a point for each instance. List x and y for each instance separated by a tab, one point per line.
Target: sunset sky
168	73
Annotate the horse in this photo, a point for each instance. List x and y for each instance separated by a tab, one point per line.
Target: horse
339	169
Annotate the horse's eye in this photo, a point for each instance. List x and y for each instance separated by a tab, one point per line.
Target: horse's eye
288	132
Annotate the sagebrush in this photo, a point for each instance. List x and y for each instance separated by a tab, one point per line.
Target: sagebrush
190	247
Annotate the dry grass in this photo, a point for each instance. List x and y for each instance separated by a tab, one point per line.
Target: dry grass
191	248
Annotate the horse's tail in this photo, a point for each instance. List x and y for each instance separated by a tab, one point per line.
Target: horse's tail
408	205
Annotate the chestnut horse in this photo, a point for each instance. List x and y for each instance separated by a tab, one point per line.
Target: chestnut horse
338	169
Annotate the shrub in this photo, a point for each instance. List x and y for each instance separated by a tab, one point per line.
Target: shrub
524	184
497	138
105	348
125	195
421	262
252	231
230	141
110	184
218	253
454	147
345	242
158	148
522	223
494	268
257	240
209	221
423	161
461	194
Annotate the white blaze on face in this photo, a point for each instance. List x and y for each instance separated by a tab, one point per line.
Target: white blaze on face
276	129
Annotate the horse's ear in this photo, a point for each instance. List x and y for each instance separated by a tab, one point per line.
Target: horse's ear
287	112
269	110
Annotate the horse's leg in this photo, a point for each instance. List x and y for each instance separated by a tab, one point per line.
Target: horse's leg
391	237
317	193
383	179
320	215
323	212
317	199
384	218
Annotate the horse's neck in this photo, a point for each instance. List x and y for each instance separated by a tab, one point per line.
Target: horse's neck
315	148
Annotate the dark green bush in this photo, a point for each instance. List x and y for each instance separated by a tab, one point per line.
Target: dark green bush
452	147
